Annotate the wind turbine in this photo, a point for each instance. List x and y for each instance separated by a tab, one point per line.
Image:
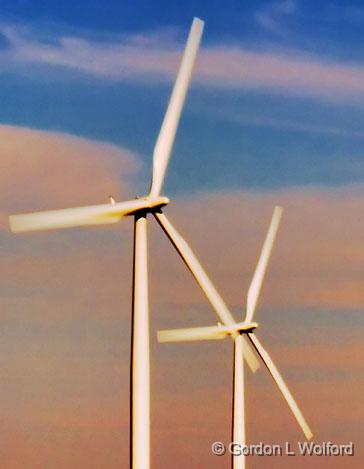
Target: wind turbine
237	332
139	208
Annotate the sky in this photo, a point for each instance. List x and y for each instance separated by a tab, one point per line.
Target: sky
274	115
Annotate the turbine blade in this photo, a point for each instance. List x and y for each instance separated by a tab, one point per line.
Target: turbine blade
204	282
256	284
193	264
163	147
78	216
64	218
191	334
281	385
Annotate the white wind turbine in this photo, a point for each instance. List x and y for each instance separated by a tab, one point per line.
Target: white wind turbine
237	331
139	208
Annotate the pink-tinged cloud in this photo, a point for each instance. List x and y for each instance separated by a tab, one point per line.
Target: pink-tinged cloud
65	302
236	67
48	169
155	58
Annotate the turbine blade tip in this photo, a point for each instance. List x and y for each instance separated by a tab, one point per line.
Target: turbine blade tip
14	224
198	21
161	336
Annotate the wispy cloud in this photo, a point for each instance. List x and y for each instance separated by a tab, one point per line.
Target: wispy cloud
248	120
286	73
270	17
146	58
125	57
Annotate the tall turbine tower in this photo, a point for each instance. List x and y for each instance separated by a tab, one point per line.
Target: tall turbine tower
139	208
237	332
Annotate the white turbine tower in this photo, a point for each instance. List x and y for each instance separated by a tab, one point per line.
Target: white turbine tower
139	208
237	331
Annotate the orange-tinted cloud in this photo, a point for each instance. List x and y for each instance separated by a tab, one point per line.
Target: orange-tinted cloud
65	316
47	169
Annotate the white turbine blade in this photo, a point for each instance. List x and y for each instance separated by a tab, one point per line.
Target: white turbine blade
205	283
163	147
256	284
64	218
78	216
281	385
193	264
193	333
203	333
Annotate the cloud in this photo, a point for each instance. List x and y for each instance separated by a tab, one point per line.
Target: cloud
127	57
147	58
247	119
287	73
65	348
47	169
271	16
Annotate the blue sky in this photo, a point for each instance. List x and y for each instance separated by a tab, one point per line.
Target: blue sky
260	132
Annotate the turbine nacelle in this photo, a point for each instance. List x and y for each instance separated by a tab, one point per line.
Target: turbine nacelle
243	327
150	203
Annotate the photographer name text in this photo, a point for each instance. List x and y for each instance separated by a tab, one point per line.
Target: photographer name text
326	448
